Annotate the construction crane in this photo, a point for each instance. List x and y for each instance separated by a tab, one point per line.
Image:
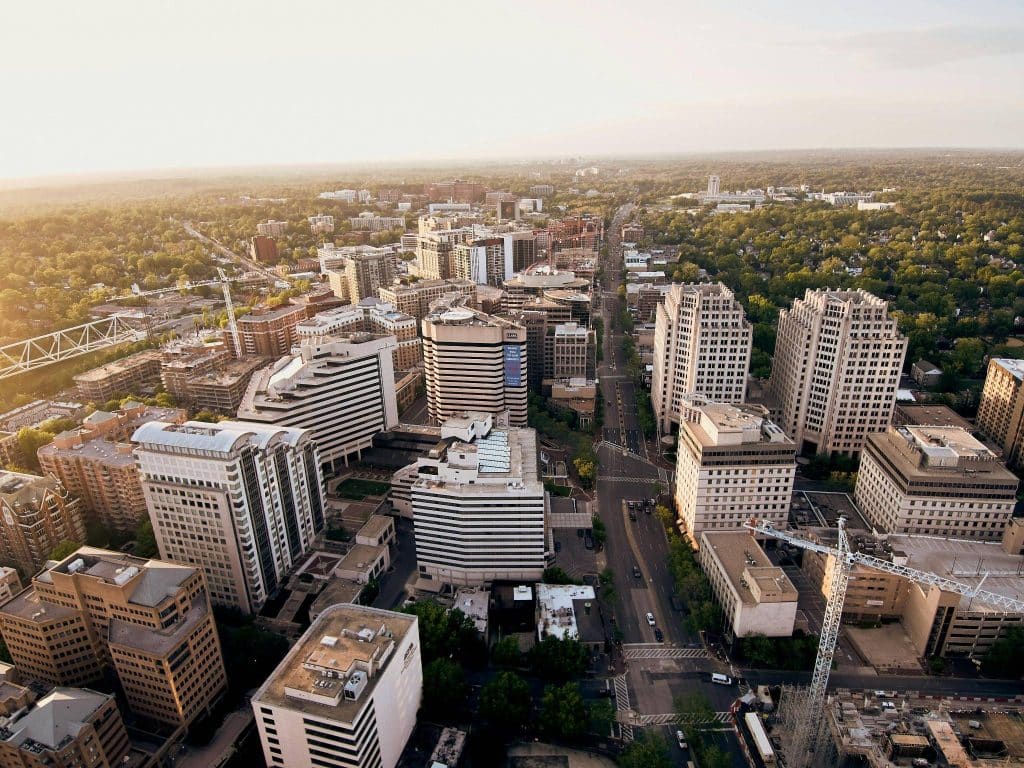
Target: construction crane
807	734
231	313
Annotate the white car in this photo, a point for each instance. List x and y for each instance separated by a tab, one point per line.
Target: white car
680	740
650	619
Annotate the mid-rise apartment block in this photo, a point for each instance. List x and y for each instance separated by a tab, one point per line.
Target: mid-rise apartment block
369	316
36	514
838	357
321	224
569	352
347	693
263	249
66	728
94	463
363	275
479	506
333	256
268	332
272	228
245	500
415	298
217	388
456	191
435	250
371	222
701	346
341	388
938	481
474	362
1001	410
129	375
482	260
148	620
732	464
10	582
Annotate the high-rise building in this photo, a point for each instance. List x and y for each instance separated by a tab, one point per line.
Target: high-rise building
536	325
341	388
714	185
479	507
521	288
268	332
482	260
1001	410
148	619
36	514
434	252
838	357
321	224
415	298
900	470
347	693
701	346
363	276
333	256
569	352
94	462
263	249
66	728
474	362
369	316
243	499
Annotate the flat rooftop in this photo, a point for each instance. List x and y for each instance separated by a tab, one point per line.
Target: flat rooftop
344	640
1012	366
748	569
376	526
361	557
556	607
931	416
120	366
720	425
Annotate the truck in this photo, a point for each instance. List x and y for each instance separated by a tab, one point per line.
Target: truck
760	737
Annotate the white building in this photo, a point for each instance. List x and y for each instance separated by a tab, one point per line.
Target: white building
342	388
558	609
479	507
321	224
336	257
701	346
714	185
244	500
939	481
347	693
757	598
732	464
272	228
345	195
838	358
369	221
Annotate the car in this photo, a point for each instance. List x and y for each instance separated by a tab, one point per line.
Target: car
588	542
558	546
720	679
632	515
659	635
650	619
636	571
680	739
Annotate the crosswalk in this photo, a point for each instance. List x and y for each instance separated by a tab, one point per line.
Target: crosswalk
645	651
722	718
622	705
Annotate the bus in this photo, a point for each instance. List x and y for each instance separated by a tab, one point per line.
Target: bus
757	732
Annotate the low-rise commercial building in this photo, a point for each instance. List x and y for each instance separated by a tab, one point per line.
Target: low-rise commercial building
570	612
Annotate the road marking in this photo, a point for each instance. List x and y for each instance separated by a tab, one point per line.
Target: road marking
634	654
720	717
622	705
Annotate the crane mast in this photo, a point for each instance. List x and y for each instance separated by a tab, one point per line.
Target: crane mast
232	325
807	734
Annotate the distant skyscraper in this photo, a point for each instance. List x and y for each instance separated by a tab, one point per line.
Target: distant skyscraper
838	357
243	499
701	346
714	185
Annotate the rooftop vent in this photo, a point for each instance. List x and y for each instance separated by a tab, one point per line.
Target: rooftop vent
329	640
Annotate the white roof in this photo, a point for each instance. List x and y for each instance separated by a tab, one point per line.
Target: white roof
557	615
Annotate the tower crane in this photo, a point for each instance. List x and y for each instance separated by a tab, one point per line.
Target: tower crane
231	313
807	733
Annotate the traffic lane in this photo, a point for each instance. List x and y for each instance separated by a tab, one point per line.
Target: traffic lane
947	686
651	534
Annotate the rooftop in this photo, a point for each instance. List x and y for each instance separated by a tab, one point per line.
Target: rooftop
474	602
376	526
160	642
55	720
748	569
719	424
117	366
923	451
343	650
1012	366
556	609
221	438
23	488
931	416
361	557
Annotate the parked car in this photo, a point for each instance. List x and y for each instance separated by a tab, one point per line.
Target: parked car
588	542
680	739
659	635
650	619
636	571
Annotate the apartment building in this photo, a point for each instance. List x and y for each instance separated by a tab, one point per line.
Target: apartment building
39	411
347	693
148	620
10	582
268	332
701	346
756	597
456	191
1001	410
838	357
479	507
263	249
371	222
484	261
362	276
369	316
569	352
333	256
66	728
415	298
435	249
36	514
184	362
938	481
133	374
272	228
11	454
732	464
474	362
245	500
94	463
219	390
321	224
340	388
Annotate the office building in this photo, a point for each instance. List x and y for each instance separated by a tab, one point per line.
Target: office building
347	693
66	728
364	274
36	514
756	597
369	316
94	463
479	507
341	388
701	346
937	481
435	250
1001	410
838	357
268	332
150	620
732	464
371	222
474	362
243	499
134	374
321	224
536	324
263	249
569	352
523	287
456	191
415	298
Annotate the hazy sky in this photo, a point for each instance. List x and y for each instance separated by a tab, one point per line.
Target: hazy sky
105	85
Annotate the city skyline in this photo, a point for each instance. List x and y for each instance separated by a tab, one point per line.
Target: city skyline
229	85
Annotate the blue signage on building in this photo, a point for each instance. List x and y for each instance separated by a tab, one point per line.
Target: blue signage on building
513	366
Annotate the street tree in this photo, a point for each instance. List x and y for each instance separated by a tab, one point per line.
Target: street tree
505	703
563	712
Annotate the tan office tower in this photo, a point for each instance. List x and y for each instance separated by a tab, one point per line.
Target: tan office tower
148	619
434	251
1001	410
701	346
36	514
838	357
474	362
366	273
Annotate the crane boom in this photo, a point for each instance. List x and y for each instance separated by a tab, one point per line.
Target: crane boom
232	325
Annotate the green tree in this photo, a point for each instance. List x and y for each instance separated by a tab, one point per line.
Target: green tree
1006	656
505	703
447	634
145	540
563	713
649	751
30	440
559	660
64	549
555	575
444	688
602	715
506	653
693	711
